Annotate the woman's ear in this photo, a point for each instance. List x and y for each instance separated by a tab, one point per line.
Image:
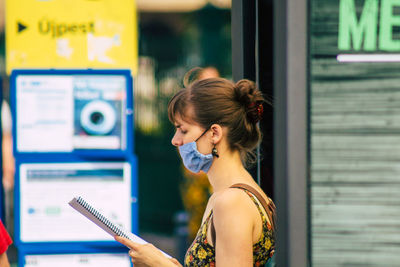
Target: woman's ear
217	133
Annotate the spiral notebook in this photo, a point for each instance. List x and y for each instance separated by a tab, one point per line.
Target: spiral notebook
83	207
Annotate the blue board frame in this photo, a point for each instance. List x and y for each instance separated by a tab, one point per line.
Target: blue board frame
83	246
77	154
2	193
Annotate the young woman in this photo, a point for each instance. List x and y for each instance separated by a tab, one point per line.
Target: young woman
216	131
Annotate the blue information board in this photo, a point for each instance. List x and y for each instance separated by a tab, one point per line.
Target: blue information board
73	136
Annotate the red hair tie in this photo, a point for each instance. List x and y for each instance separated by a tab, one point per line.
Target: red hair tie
256	111
260	110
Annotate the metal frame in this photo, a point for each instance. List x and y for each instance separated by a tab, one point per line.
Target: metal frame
244	34
243	39
290	132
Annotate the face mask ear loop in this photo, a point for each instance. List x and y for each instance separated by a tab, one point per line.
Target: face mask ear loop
201	135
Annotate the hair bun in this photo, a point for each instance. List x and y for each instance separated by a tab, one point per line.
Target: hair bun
250	98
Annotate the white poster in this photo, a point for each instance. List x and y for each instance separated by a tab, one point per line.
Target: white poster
46	189
78	260
44	113
60	113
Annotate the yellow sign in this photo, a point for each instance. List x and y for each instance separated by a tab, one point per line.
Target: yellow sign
71	34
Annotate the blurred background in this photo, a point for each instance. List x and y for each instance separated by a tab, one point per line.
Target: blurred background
330	157
173	37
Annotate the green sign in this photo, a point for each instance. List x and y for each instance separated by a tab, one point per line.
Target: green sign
372	30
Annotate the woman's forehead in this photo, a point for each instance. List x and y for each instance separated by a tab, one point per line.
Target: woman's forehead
185	116
180	120
185	121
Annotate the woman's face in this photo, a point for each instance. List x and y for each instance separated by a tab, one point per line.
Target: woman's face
187	132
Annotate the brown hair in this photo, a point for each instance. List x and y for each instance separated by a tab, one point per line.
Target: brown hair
220	101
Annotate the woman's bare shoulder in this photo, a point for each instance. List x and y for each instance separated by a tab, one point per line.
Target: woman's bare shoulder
231	199
233	216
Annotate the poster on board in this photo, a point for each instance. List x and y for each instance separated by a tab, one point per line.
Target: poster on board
46	188
67	111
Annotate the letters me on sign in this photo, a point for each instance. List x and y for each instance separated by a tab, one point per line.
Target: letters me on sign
374	29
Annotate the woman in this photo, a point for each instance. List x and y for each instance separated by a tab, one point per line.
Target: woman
216	131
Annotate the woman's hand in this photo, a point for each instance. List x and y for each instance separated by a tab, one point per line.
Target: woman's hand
146	255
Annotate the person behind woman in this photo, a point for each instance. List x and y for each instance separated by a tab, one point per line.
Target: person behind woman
216	131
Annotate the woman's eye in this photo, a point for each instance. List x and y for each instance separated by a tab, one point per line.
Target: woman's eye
178	128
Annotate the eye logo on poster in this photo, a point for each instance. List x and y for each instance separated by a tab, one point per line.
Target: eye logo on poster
99	106
98	117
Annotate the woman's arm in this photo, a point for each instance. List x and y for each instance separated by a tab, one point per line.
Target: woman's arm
4	260
233	221
147	255
8	162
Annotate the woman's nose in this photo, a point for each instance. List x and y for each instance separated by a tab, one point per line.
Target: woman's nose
176	141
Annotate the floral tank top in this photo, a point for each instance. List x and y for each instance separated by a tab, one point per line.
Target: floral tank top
201	253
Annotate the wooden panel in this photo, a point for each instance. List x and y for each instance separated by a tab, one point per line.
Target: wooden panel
355	152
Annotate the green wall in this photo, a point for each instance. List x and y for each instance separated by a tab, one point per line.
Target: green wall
354	136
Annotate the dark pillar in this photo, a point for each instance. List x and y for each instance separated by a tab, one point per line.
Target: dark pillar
290	131
243	39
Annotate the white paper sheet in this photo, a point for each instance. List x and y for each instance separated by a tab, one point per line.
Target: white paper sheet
44	113
46	190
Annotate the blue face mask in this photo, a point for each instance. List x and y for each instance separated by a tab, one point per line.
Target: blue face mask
193	160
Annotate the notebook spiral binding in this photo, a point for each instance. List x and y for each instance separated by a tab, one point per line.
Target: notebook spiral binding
115	228
83	207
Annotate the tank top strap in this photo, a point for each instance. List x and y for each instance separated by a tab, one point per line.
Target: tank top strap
205	226
268	207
